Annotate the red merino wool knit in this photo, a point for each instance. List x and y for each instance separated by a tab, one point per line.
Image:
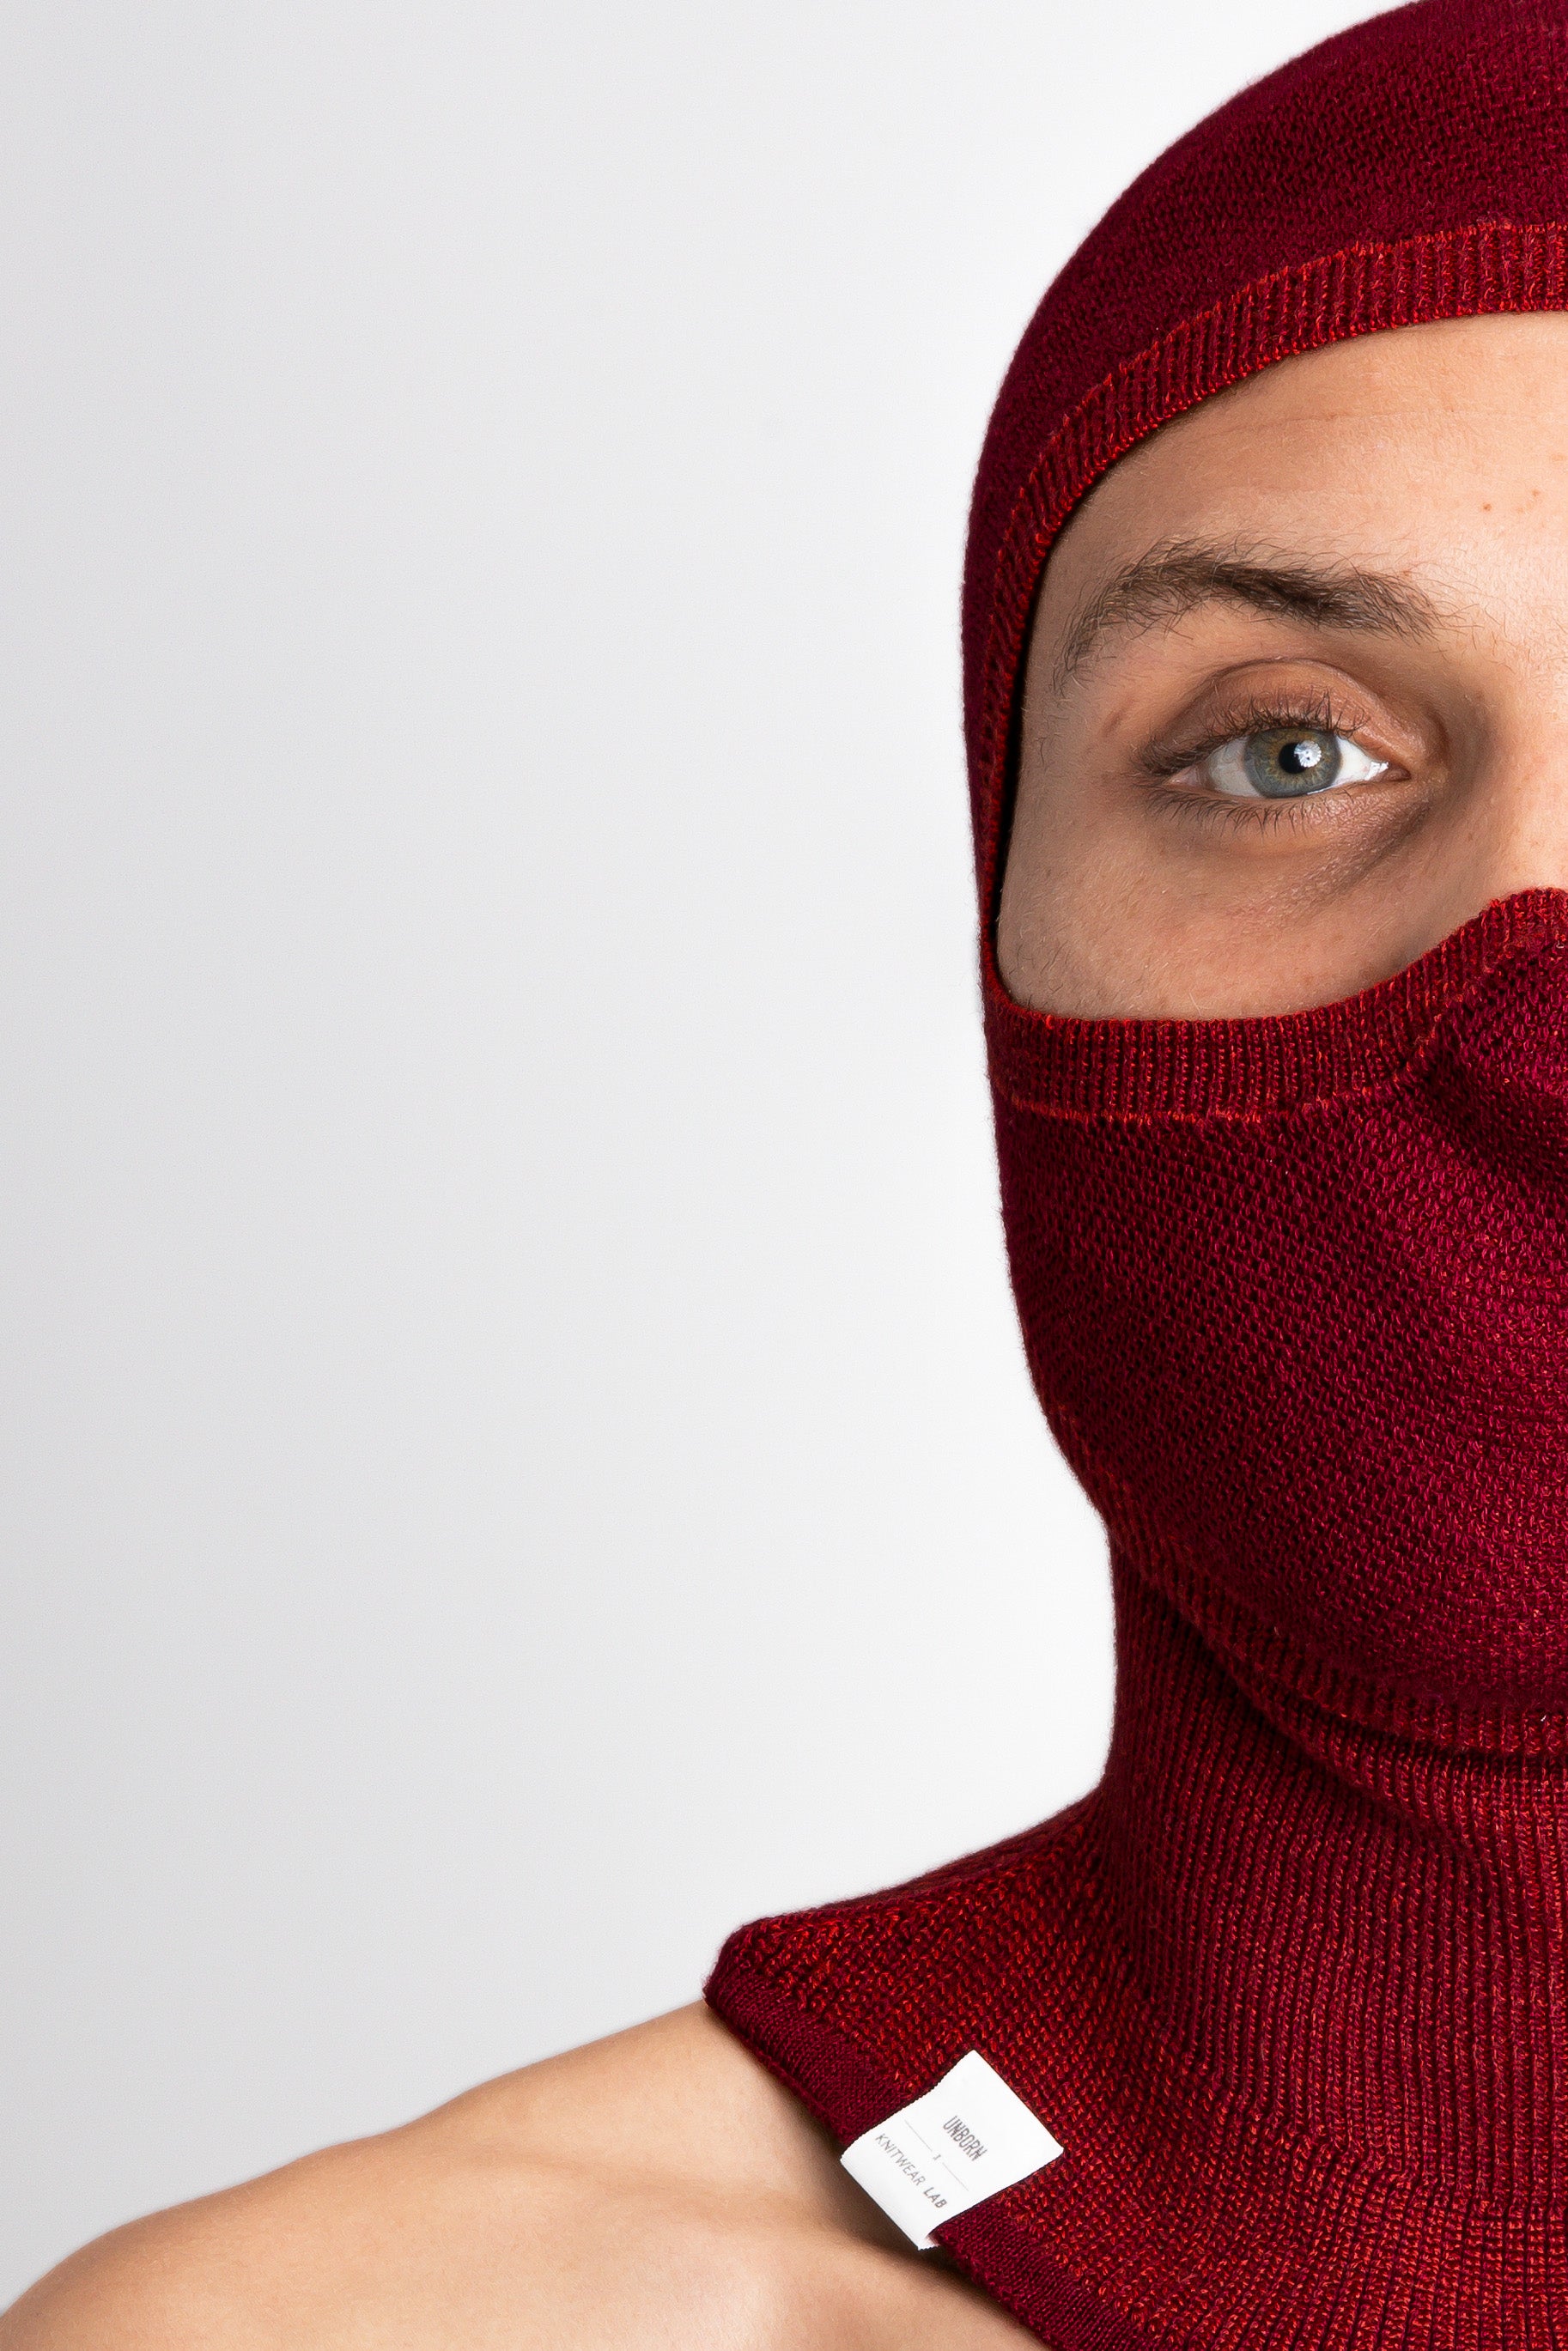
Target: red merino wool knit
1289	1986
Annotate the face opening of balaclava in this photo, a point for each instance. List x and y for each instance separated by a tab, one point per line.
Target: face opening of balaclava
1289	1985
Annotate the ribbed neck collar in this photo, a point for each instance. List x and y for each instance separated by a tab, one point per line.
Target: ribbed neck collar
1349	1939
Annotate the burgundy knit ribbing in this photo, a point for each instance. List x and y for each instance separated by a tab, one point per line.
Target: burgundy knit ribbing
1413	168
1290	1985
1246	1069
1298	2021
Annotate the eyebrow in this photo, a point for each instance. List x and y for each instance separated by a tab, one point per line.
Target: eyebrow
1170	581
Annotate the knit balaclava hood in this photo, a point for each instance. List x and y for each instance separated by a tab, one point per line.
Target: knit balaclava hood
1289	1986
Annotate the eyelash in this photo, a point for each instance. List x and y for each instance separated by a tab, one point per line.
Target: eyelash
1211	808
1316	712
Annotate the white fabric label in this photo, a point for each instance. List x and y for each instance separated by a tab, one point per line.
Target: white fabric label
965	2140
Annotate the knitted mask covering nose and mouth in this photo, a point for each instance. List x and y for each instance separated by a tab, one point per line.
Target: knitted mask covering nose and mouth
1289	1985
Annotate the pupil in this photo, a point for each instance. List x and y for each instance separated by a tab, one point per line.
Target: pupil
1284	763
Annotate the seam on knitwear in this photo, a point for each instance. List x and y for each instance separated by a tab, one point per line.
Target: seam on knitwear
1201	2088
988	2244
1404	1074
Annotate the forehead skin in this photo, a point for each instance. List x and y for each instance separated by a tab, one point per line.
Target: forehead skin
1437	455
1372	449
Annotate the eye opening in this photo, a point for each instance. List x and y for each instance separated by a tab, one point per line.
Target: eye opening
1288	763
1268	754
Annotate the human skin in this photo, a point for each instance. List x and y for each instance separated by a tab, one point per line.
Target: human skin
654	2190
1400	505
1421	478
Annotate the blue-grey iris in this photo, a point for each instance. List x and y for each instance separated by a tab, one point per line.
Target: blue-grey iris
1288	761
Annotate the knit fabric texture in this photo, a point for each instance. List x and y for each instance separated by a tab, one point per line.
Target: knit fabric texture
1289	1985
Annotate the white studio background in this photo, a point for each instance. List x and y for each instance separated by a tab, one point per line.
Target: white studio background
517	1456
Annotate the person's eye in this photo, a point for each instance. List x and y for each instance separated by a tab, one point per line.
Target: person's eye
1285	763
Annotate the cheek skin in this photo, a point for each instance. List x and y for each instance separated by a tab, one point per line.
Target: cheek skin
1117	904
1123	899
1106	928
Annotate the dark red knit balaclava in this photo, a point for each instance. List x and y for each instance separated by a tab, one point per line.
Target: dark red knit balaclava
1289	1986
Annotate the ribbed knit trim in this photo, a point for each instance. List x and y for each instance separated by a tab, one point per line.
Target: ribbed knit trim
1234	2175
849	2092
1259	1068
1490	266
1182	2212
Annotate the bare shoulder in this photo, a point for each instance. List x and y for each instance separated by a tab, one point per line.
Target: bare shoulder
655	2187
